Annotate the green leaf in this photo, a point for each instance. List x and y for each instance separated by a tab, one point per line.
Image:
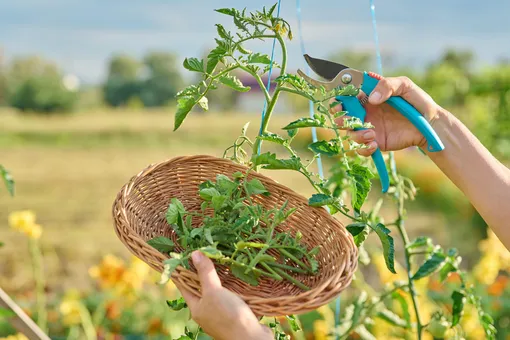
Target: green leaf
255	187
2	244
293	322
169	267
162	244
270	161
272	137
227	11
208	193
239	272
421	241
388	246
6	313
445	271
433	263
392	318
193	64
323	147
217	202
177	304
225	185
360	176
242	49
211	252
208	236
184	106
459	300
319	200
257	58
196	232
292	132
8	180
359	231
222	32
214	57
234	83
305	123
174	209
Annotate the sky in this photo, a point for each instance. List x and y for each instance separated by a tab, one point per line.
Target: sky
81	35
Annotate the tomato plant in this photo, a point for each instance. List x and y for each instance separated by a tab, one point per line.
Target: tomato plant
349	177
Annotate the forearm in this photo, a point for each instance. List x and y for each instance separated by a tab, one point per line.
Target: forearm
476	172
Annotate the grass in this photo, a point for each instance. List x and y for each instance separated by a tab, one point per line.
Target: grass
68	170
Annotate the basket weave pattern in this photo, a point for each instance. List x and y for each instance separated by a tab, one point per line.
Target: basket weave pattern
139	215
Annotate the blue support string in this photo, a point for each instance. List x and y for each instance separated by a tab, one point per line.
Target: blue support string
268	86
307	69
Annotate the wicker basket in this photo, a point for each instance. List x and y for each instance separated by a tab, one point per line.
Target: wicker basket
139	215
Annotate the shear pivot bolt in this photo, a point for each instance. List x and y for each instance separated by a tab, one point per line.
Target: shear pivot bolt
346	78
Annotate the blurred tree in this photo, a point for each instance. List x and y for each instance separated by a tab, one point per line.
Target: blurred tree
162	79
123	81
34	84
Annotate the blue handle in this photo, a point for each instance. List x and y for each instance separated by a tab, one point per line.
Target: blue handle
408	111
354	108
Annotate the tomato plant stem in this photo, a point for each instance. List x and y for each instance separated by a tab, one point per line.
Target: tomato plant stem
35	252
405	239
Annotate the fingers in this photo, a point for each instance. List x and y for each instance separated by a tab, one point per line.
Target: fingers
206	271
405	88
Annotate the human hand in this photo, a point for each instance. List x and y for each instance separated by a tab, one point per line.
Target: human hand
221	313
392	130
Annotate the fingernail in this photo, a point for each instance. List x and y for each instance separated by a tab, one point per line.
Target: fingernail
374	97
196	256
369	134
372	146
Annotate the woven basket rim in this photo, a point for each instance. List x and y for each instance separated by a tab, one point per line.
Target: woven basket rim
181	272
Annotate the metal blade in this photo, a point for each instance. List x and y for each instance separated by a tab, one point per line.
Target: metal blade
324	68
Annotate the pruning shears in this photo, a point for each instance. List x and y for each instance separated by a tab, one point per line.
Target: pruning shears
339	76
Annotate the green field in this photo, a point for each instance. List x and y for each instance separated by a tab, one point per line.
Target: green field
68	170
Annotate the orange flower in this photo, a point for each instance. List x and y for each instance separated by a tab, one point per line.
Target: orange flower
155	327
498	287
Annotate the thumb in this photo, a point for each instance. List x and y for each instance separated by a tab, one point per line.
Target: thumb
209	279
391	86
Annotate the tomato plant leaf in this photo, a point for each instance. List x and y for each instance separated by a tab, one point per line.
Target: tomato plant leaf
404	306
174	209
239	272
459	299
293	322
305	123
433	263
360	177
319	200
170	265
208	193
227	11
392	318
273	137
211	252
421	241
257	58
7	179
193	64
214	57
162	244
177	304
359	231
184	106
388	245
225	185
292	132
222	32
446	270
270	161
217	202
234	83
326	148
255	187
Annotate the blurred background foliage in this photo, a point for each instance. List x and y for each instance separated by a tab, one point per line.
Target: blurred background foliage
71	147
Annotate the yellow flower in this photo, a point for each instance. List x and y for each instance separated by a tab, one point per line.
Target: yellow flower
70	308
24	221
471	324
109	272
320	330
385	275
495	257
